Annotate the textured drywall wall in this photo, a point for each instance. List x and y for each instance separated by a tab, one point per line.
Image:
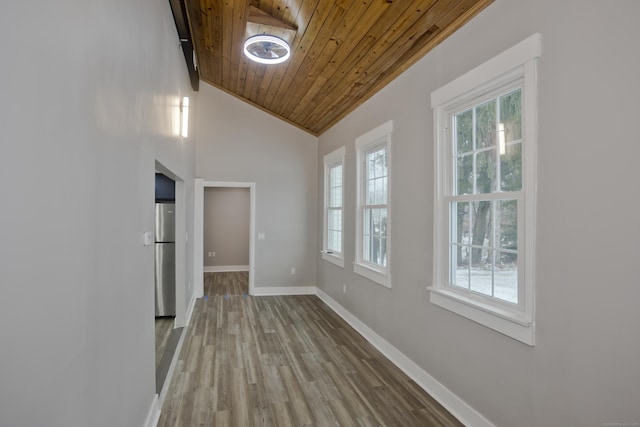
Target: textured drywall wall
90	94
237	142
583	369
226	226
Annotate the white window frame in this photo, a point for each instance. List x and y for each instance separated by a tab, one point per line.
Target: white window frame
332	160
378	137
517	63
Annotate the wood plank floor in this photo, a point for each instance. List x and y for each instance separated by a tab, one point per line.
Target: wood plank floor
287	361
226	283
164	326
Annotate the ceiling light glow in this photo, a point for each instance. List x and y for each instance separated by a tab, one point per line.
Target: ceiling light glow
267	49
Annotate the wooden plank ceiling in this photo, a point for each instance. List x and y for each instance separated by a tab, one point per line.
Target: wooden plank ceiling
342	51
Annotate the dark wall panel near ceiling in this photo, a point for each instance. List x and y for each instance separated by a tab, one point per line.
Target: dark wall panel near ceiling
165	188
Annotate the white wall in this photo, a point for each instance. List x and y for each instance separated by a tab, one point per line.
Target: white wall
237	142
584	369
89	93
226	226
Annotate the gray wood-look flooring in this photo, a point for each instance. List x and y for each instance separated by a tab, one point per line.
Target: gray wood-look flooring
287	361
164	326
228	283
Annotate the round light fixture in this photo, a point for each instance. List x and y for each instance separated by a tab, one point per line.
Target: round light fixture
267	49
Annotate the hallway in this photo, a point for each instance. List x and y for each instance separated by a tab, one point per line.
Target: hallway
285	361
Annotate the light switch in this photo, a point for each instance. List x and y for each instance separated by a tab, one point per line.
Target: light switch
260	236
146	238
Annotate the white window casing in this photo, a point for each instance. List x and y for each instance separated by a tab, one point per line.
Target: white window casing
373	246
514	69
333	232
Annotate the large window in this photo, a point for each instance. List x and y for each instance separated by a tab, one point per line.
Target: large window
373	213
333	201
485	192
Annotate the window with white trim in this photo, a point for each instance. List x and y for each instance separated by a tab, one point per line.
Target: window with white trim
485	192
373	210
333	240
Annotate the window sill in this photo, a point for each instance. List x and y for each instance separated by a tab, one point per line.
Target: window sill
370	273
335	259
514	325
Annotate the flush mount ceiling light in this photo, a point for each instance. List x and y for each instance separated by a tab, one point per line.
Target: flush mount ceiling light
267	49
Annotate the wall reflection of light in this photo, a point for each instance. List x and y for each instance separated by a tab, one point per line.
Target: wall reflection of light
117	113
184	112
176	116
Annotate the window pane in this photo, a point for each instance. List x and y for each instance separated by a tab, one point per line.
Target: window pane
371	191
506	276
485	172
481	232
331	241
461	217
481	275
334	241
335	197
335	186
383	200
334	219
511	168
377	163
376	177
379	186
335	176
486	125
507	224
464	173
460	265
382	256
366	247
511	115
367	235
374	237
334	228
463	124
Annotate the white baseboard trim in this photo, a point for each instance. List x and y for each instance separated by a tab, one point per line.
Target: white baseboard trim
264	291
224	268
459	408
192	304
154	413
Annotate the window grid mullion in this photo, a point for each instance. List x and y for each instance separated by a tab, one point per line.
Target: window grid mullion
473	148
493	247
497	147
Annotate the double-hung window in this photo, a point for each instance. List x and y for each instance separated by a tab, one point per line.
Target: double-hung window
485	192
332	250
373	211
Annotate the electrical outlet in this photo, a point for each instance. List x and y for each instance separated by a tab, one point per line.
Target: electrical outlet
293	270
213	254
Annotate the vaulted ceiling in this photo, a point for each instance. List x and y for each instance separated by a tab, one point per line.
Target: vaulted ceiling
342	51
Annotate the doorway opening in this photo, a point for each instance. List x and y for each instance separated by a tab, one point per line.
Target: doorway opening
226	245
169	268
226	236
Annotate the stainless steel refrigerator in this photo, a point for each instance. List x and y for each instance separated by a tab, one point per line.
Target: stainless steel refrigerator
165	259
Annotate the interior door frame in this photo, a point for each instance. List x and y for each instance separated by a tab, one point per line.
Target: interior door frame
181	252
198	240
